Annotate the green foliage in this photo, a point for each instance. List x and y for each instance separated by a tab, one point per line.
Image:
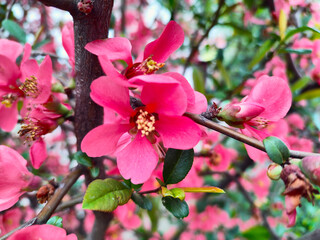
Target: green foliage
105	195
178	208
198	80
314	93
142	201
94	172
177	164
277	150
255	232
55	221
261	53
83	159
300	30
15	30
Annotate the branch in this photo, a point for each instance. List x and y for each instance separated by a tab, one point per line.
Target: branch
311	236
67	5
195	48
51	206
239	136
69	204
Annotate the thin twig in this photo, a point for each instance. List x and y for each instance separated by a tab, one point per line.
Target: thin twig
151	191
69	204
195	48
239	136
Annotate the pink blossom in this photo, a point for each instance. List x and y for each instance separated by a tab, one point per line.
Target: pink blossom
10	220
127	216
134	138
68	42
14	177
44	232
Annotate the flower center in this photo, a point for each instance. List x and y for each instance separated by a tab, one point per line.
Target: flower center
30	87
8	100
215	159
145	122
148	66
31	130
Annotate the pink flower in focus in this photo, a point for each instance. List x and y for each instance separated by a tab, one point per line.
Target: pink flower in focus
43	232
14	177
134	138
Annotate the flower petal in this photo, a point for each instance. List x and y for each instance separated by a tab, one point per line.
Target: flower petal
178	132
10	48
108	93
169	41
167	99
117	48
137	160
38	153
44	76
274	94
103	139
200	105
10	120
68	41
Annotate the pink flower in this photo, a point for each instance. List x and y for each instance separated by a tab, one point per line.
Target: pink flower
134	137
311	167
36	80
43	232
127	216
14	177
268	102
10	220
68	42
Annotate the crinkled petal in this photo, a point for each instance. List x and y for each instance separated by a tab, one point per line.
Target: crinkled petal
167	99
274	94
200	105
108	93
169	41
178	132
10	120
10	48
103	139
44	77
137	160
38	153
117	48
9	72
185	85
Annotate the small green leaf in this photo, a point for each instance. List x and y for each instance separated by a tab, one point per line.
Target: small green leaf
55	221
302	82
198	80
15	30
160	182
178	208
277	150
142	201
41	43
174	192
296	51
94	172
283	23
314	93
257	231
105	195
262	51
136	187
177	164
299	30
82	159
224	74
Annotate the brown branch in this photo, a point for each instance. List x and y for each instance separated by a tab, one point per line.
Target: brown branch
69	204
67	5
239	136
195	48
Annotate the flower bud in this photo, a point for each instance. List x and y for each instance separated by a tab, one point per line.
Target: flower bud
311	168
274	171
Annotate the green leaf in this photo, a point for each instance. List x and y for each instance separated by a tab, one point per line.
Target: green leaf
55	221
224	74
41	43
314	93
256	232
142	201
15	30
82	159
277	150
198	80
296	51
177	164
299	30
136	187
262	51
178	208
302	82
105	195
94	172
